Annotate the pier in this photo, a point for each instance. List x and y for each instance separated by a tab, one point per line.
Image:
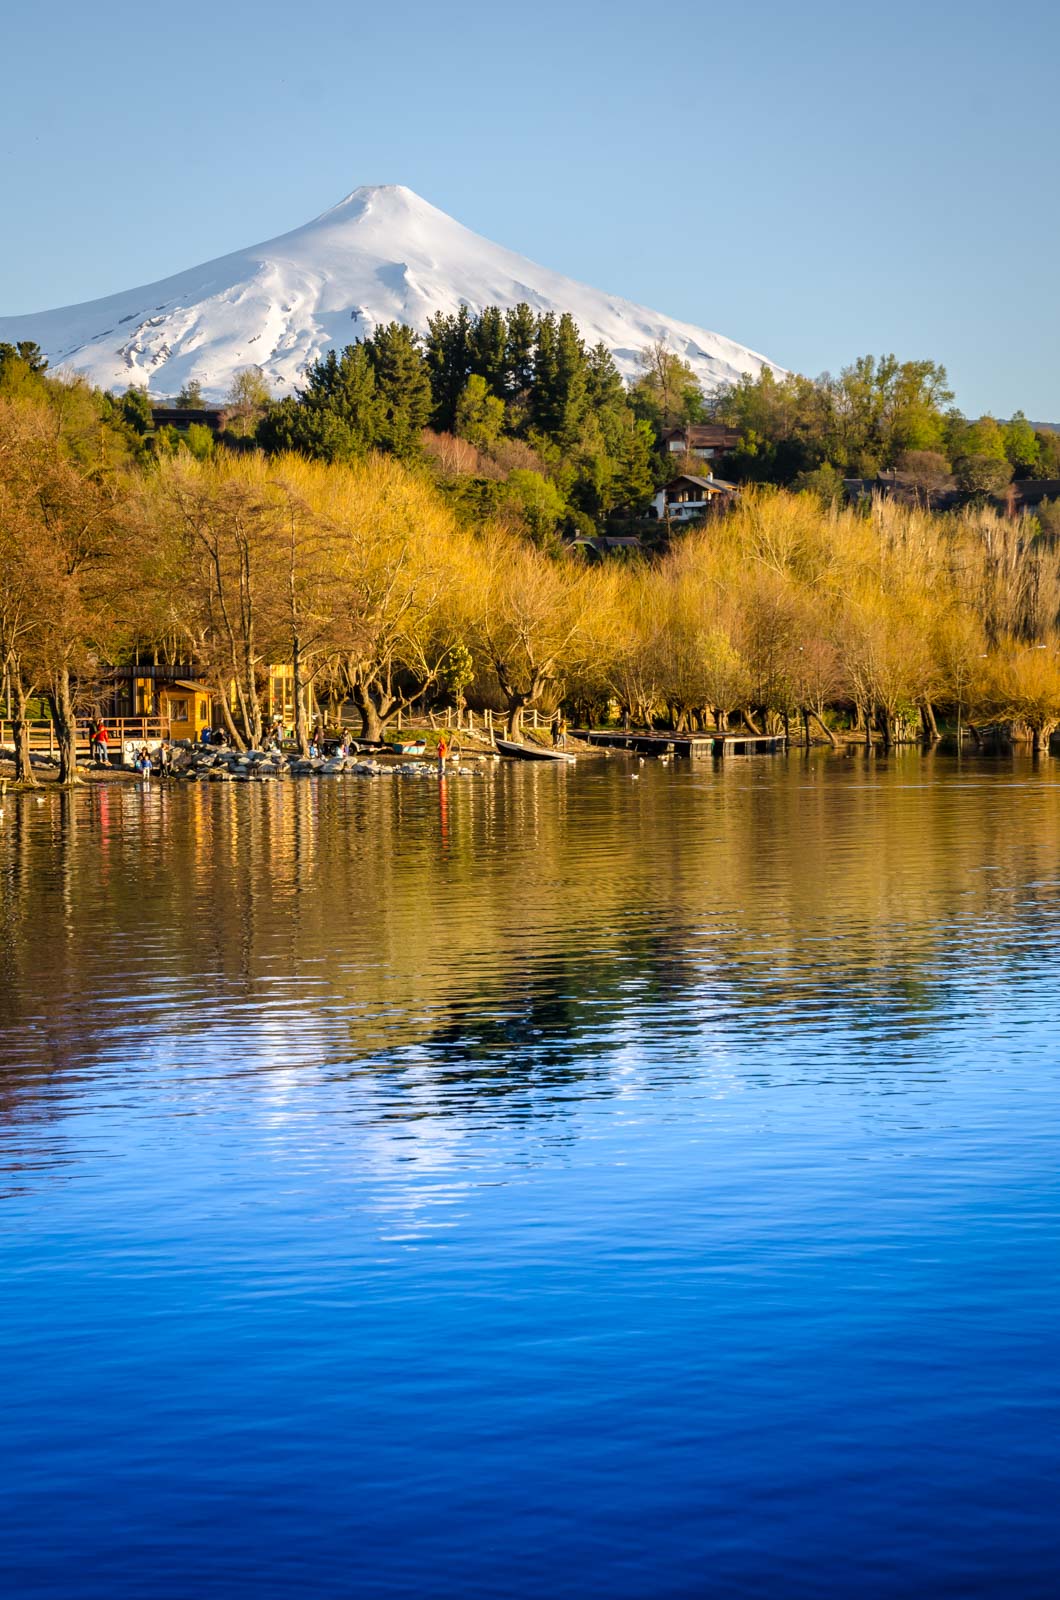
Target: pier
687	745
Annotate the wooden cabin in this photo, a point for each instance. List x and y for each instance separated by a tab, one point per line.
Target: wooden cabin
688	496
181	703
707	441
181	417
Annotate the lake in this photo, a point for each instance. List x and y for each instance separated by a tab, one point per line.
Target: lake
546	1183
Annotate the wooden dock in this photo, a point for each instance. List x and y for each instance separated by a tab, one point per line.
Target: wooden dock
686	745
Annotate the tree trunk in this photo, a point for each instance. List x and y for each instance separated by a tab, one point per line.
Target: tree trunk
868	727
23	764
886	728
748	717
930	726
65	728
806	728
514	722
301	722
234	734
372	724
1042	735
825	729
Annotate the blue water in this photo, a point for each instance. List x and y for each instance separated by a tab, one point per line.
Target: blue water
549	1186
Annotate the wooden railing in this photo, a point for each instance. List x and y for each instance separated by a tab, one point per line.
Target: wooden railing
42	739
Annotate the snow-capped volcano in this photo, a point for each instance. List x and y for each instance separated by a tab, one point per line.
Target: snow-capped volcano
380	255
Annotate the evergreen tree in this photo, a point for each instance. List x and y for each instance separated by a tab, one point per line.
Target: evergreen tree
573	379
336	417
489	350
521	332
447	351
318	432
634	482
26	351
604	385
135	409
559	400
403	386
544	384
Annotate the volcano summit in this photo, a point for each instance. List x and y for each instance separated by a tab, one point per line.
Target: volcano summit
380	255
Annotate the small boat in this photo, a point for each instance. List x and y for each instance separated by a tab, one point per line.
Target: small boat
530	752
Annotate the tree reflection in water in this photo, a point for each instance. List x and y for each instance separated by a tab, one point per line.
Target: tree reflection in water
527	935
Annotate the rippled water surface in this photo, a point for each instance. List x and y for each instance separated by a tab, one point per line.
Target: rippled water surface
540	1184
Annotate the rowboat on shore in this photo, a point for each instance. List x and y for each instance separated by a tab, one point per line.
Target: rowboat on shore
530	752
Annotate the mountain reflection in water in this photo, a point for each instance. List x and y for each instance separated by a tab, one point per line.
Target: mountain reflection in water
535	1183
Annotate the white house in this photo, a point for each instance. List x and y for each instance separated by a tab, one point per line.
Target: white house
687	497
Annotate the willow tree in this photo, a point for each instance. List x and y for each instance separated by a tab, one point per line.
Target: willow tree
62	546
222	525
24	441
302	600
1023	684
400	563
530	617
639	609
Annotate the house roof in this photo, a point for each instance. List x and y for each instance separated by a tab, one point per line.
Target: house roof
702	483
703	433
185	683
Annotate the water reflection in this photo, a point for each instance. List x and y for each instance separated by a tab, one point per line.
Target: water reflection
518	932
548	1185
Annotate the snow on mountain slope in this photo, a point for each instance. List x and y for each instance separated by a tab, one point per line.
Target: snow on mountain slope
380	255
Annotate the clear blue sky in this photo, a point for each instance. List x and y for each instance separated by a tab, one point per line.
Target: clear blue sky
814	180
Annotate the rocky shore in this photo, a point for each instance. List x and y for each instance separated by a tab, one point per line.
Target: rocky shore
196	764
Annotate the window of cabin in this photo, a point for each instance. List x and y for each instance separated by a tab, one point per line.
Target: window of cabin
178	711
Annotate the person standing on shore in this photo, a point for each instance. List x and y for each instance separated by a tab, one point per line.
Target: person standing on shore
101	743
443	751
